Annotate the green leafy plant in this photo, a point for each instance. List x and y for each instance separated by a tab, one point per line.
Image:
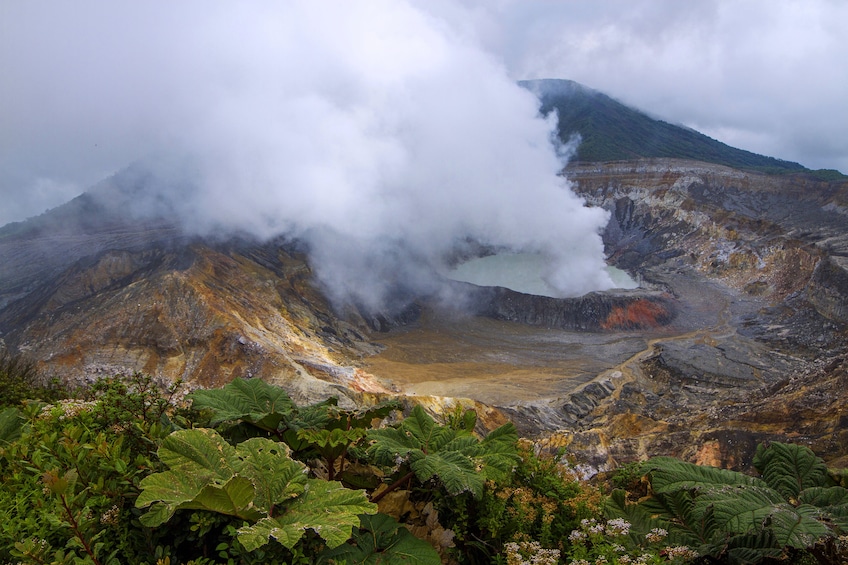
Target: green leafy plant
253	401
542	501
381	539
69	478
252	407
790	508
11	425
455	457
255	481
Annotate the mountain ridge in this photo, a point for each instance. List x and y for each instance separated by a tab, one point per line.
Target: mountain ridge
612	131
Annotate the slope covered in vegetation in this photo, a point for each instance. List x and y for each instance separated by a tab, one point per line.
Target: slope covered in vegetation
128	472
612	131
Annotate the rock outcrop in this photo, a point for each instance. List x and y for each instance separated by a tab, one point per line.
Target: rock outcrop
596	311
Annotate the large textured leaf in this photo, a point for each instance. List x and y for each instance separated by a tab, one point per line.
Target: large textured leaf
747	510
797	527
668	474
275	476
380	539
11	424
199	451
498	452
687	522
233	498
747	549
251	400
741	508
789	468
430	437
326	507
825	497
331	443
831	501
197	459
390	444
458	459
207	473
457	472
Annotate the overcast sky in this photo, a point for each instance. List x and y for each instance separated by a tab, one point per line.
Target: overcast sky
88	87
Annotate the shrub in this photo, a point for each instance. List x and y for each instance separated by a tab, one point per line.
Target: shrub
792	509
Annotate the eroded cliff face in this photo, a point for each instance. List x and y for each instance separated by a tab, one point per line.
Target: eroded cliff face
766	257
204	314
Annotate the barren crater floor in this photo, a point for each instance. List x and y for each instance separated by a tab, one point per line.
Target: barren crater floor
500	362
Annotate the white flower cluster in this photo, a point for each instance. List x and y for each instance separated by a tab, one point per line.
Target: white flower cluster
618	527
110	516
656	535
66	409
576	536
681	551
530	553
641	560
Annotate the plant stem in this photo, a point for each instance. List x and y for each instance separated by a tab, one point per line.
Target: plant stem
75	527
393	486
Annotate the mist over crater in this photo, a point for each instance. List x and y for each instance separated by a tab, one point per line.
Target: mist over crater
380	138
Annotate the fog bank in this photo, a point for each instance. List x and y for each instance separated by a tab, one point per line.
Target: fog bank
374	132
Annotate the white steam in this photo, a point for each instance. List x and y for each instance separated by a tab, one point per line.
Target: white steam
373	131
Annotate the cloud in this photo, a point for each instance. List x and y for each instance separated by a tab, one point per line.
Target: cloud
377	132
764	76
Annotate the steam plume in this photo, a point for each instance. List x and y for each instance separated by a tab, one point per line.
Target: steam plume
373	131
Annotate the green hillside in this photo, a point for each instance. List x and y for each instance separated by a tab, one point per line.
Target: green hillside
611	131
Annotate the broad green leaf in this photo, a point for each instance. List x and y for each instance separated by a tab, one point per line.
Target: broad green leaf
427	434
255	536
381	539
687	522
457	472
168	490
458	459
748	548
832	503
200	451
797	527
158	514
251	400
747	510
825	497
197	458
331	443
668	474
234	498
11	425
498	452
326	507
313	416
740	509
390	444
275	476
789	468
